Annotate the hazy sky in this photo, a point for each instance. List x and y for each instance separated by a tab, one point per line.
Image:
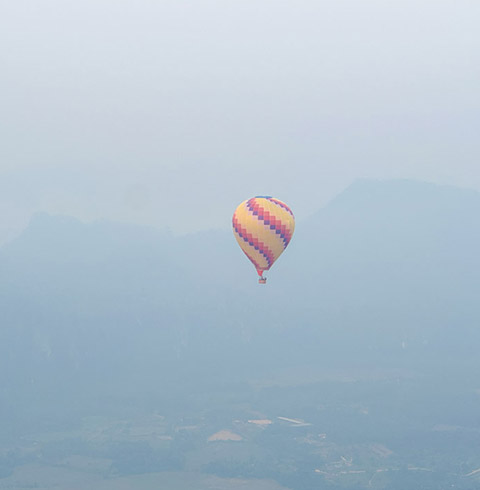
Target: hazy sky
170	112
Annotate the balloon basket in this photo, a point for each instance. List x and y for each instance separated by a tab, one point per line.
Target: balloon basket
262	280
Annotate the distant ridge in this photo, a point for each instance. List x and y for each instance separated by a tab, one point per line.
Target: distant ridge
404	193
393	267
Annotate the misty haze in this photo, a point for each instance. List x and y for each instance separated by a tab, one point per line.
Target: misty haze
137	349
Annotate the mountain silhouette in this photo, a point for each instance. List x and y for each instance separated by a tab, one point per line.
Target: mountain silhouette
386	273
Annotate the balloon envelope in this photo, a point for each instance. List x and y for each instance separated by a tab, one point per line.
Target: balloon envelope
263	227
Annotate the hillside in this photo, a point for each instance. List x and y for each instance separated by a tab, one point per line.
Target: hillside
380	267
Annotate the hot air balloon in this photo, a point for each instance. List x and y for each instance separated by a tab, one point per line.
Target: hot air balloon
263	227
